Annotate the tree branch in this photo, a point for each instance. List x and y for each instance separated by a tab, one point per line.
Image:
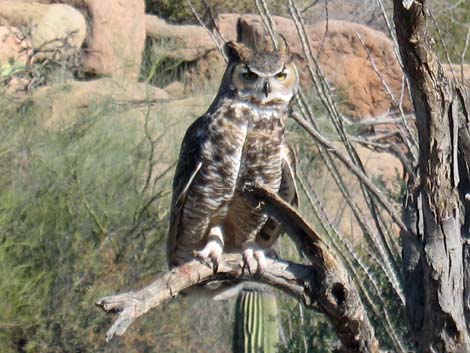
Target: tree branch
323	285
289	277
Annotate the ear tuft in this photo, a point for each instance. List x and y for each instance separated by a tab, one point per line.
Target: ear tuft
230	50
237	52
282	46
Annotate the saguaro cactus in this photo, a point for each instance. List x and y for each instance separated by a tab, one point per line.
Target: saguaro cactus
256	321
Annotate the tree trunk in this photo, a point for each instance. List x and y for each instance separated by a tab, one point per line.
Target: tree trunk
432	248
463	105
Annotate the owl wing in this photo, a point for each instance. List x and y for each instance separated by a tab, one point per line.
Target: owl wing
287	191
189	164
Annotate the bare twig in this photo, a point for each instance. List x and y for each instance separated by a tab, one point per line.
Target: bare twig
308	7
210	14
464	52
209	32
404	129
354	169
381	120
267	19
443	43
338	121
325	33
391	31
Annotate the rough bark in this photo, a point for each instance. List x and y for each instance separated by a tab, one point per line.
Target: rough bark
323	285
333	292
432	247
462	105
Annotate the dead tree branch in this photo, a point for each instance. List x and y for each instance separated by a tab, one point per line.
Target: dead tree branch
323	285
291	278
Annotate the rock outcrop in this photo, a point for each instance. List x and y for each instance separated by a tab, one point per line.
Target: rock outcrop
188	42
361	66
12	48
358	62
64	103
117	38
114	42
56	30
460	72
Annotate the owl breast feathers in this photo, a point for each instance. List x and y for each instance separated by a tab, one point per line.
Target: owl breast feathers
239	140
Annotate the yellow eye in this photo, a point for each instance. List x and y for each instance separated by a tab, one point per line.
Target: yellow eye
281	76
249	75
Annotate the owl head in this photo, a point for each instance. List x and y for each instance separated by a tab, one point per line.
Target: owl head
265	78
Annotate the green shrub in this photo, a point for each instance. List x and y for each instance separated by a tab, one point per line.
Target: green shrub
453	19
77	222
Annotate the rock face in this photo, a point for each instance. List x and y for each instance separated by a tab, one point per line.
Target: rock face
361	65
117	38
190	42
49	26
358	62
63	103
191	46
379	166
358	11
116	35
175	90
461	72
12	49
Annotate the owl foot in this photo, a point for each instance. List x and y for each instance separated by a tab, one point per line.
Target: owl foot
211	254
251	253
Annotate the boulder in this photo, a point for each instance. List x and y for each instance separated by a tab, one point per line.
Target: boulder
359	11
461	72
191	46
48	27
117	38
185	42
63	103
380	166
227	25
175	89
12	48
45	2
361	65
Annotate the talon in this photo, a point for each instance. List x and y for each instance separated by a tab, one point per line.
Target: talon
197	255
247	257
252	252
260	257
211	254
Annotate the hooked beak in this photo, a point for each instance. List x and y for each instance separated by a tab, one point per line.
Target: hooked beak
267	88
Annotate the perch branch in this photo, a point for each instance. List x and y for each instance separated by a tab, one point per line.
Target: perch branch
323	285
289	277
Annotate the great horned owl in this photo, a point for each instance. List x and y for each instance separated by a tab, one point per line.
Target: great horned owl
239	140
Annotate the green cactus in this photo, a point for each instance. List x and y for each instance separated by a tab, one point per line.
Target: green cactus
256	322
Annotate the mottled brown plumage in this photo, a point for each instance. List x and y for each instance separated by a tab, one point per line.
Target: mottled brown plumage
239	140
